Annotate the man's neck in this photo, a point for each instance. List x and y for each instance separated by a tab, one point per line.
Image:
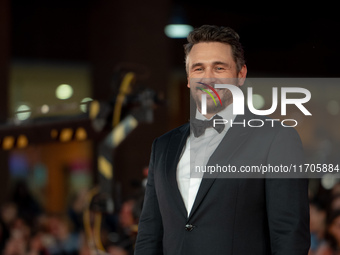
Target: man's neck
208	115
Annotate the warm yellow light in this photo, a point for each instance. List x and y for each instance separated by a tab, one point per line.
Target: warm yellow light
66	134
54	133
8	142
105	167
94	109
81	134
22	141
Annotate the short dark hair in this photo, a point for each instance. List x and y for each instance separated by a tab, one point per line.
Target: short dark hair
209	33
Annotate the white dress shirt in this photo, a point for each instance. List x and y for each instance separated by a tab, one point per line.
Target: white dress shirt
197	152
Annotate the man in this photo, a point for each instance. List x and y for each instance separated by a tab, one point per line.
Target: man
231	216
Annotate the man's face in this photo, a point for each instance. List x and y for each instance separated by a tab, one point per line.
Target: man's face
212	63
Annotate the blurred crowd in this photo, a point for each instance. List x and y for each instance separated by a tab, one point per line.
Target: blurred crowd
325	222
26	229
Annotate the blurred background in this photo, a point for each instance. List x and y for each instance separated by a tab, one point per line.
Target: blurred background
86	86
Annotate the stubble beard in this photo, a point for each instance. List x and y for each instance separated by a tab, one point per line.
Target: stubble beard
226	99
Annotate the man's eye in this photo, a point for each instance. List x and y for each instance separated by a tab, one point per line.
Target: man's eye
219	68
198	69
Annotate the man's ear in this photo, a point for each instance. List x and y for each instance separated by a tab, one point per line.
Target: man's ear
242	75
188	84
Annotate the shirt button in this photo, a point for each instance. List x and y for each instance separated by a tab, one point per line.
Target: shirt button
189	227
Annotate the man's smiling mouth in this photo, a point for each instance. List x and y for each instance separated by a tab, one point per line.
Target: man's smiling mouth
209	90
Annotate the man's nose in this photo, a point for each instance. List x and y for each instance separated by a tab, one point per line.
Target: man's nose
209	74
209	77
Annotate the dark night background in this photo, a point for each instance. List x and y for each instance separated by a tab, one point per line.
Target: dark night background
280	40
91	44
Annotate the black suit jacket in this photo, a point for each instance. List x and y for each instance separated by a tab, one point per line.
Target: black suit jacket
230	216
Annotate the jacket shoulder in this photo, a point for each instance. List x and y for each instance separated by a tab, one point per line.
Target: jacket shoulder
183	129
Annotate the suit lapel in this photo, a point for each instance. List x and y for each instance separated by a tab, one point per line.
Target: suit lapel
232	141
175	148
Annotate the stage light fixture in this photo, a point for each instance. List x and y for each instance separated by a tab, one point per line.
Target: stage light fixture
64	91
258	101
23	112
83	103
177	30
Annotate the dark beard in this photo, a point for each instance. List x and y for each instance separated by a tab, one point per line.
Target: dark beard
212	108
